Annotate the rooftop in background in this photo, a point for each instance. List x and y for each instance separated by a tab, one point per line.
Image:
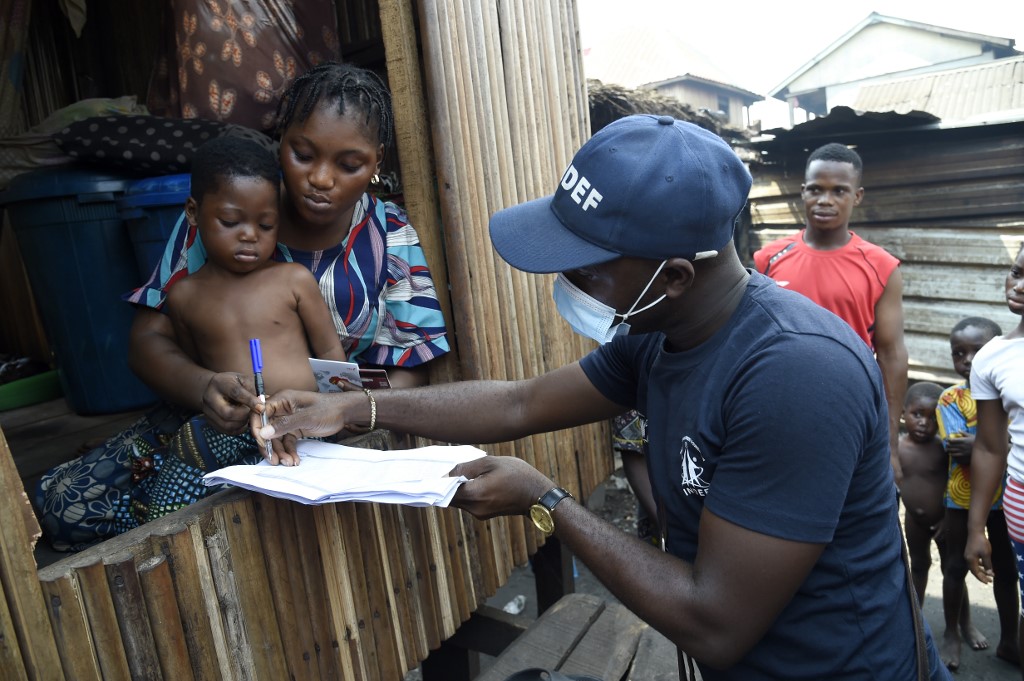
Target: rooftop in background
1000	47
747	96
969	93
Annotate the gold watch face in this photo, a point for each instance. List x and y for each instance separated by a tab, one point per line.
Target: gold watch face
541	517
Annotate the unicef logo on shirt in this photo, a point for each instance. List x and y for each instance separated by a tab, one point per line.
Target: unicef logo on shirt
692	466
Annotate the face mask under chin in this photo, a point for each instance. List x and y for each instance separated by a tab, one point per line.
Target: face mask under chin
590	317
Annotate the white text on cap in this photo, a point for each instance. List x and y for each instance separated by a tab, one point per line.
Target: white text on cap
570	178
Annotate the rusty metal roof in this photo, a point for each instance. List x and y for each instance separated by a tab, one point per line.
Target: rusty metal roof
960	94
845	125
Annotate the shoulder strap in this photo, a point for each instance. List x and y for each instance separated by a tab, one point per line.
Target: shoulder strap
771	260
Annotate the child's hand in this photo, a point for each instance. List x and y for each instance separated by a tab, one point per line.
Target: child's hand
285	451
959	446
227	401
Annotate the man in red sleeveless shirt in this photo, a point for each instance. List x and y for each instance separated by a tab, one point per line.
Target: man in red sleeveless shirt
856	280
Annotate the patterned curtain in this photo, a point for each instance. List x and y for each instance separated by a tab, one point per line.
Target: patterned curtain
230	60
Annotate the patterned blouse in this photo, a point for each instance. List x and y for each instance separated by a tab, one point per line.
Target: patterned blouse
376	284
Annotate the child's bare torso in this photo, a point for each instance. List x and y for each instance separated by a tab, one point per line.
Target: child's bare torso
222	313
925	468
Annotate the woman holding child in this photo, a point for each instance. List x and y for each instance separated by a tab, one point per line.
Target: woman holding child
335	124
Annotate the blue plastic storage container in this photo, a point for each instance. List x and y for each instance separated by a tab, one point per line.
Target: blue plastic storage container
79	262
151	208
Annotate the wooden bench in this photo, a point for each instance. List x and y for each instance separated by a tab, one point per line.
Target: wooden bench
584	634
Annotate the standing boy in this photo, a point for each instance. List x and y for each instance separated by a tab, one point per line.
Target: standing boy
924	479
856	280
957	418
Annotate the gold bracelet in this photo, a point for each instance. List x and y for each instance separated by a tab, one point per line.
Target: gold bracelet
373	409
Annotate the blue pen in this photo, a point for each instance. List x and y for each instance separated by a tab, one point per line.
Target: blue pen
257	368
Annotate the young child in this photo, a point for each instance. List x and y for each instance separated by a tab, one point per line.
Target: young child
957	421
856	280
240	293
924	478
997	386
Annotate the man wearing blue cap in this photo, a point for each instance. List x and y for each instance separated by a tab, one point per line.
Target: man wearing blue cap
768	429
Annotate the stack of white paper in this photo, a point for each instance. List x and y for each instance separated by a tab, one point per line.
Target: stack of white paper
328	473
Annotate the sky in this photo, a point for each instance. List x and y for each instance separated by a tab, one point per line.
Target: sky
760	44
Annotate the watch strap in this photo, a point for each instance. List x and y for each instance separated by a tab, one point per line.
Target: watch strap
552	497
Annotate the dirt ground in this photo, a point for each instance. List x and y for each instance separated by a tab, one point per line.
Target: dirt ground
619	507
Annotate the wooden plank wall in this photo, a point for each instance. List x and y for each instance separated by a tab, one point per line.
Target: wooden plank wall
949	204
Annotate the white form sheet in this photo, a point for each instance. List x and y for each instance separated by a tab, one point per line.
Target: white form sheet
328	473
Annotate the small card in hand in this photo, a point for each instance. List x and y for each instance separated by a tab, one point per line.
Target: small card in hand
330	374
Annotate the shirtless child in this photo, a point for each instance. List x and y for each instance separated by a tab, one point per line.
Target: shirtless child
241	293
924	478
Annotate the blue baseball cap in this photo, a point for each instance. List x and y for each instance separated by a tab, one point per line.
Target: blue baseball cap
644	186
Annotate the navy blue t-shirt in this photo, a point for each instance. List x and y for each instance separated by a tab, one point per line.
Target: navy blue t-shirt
778	424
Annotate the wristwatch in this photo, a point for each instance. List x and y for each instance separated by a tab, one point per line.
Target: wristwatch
540	513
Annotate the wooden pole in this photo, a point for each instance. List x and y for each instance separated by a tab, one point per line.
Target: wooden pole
133	618
246	569
164	618
71	627
312	574
412	137
26	609
280	553
202	628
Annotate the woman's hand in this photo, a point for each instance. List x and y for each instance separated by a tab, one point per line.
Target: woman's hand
499	485
979	556
228	401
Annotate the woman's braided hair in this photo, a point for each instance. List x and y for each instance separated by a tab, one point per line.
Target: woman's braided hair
351	87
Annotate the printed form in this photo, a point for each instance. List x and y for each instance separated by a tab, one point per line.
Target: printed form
329	472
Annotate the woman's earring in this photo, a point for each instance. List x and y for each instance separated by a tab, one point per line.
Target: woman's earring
375	179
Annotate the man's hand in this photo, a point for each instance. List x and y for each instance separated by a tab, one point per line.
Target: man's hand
228	401
499	485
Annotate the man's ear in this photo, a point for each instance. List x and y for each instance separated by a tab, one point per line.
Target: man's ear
191	211
679	272
858	195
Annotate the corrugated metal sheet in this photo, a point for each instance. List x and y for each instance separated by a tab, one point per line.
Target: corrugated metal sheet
953	95
948	202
